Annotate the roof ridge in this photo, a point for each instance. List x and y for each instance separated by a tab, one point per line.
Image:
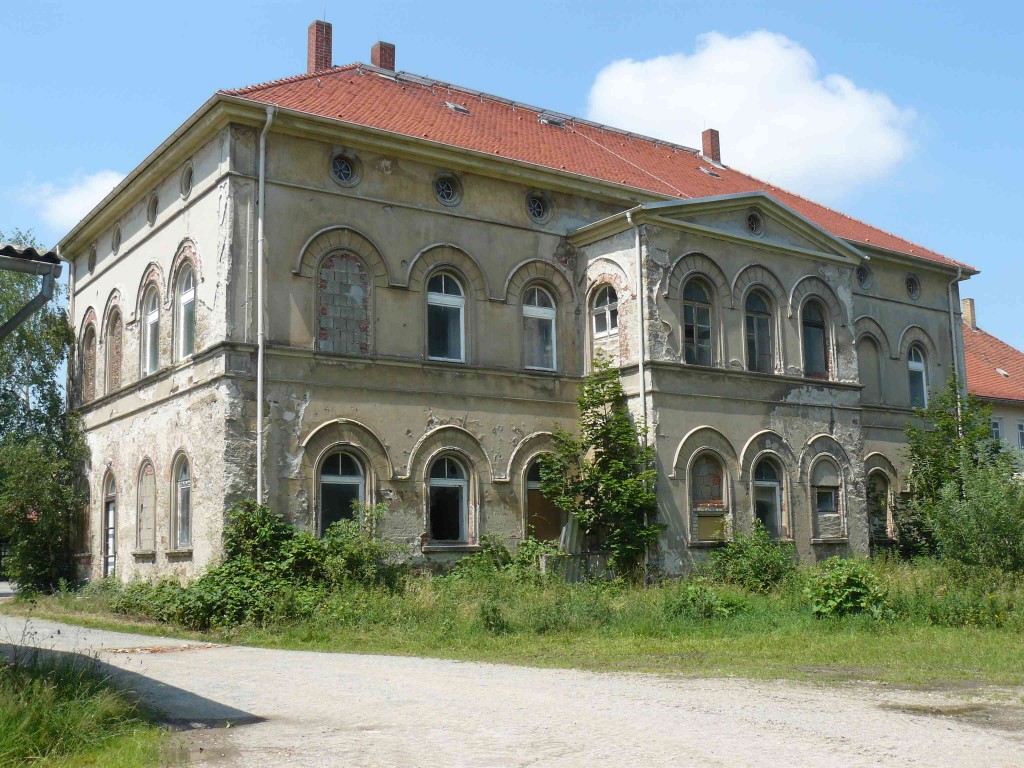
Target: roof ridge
285	80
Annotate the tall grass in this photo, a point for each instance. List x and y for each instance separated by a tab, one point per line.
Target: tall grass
52	710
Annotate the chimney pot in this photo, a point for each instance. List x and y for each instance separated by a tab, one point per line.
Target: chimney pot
319	47
967	310
712	147
382	55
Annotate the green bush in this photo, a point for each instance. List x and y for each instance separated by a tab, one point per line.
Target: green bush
492	617
843	587
354	552
695	599
753	561
159	601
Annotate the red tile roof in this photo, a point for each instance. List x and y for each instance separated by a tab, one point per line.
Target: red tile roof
414	106
986	356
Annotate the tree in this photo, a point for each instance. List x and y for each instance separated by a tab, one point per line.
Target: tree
41	445
605	478
951	439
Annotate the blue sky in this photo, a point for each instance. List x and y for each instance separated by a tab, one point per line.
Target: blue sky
907	115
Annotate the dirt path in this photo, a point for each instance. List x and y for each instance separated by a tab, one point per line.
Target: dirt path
254	707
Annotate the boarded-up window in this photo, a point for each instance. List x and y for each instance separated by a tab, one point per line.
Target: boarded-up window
878	507
114	341
147	508
89	365
544	521
825	497
343	306
707	497
869	363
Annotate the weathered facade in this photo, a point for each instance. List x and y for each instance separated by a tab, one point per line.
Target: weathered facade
432	298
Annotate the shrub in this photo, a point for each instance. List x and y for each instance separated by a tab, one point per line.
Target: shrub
491	616
353	551
753	561
694	599
159	601
842	587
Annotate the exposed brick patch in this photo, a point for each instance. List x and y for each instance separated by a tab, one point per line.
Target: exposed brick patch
343	317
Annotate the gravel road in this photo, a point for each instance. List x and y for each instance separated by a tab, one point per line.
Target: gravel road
237	706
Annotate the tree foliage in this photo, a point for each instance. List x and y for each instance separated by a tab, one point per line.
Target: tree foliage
605	478
41	445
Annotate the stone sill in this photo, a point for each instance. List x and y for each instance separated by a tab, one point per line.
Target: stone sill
144	554
707	544
460	547
836	540
180	554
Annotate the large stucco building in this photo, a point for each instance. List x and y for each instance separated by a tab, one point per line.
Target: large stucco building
439	267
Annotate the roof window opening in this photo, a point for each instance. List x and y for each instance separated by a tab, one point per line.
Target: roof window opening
545	119
1002	373
457	108
709	172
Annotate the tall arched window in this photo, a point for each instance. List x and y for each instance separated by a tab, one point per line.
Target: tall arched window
186	319
878	508
89	364
343	312
146	521
342	485
150	332
604	312
539	329
707	497
697	323
826	483
815	331
114	345
109	526
544	521
869	363
760	356
768	497
446	319
449	500
916	370
181	512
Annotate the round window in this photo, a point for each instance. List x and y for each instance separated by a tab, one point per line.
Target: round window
447	189
755	223
863	276
92	258
186	180
115	240
913	287
344	169
151	209
538	207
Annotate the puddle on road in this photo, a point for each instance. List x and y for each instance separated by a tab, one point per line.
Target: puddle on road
1002	717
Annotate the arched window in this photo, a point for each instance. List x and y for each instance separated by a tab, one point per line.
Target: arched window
697	323
446	319
342	485
114	344
760	356
869	362
604	312
768	497
539	329
879	528
707	497
343	312
186	319
815	332
544	521
146	522
449	500
109	526
89	364
918	374
826	500
181	512
150	332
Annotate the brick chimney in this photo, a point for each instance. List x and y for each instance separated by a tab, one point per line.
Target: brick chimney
319	47
712	147
967	309
383	55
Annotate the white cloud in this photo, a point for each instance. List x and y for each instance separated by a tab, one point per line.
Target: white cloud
62	204
779	118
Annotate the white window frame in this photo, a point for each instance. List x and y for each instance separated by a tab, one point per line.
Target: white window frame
357	480
109	527
772	484
920	365
444	482
1020	435
751	340
697	308
178	485
606	310
996	427
449	300
184	298
543	313
151	329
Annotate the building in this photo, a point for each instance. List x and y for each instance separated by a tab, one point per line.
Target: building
438	267
995	375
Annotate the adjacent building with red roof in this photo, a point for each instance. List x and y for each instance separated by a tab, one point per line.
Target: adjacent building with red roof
360	285
995	374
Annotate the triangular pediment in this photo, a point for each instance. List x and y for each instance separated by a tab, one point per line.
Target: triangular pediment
754	217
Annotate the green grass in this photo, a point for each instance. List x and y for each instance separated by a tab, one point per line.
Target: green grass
64	714
493	617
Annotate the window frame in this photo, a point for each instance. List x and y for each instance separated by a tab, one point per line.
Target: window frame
697	307
917	369
835	492
768	316
90	342
451	301
886	506
115	322
722	510
537	312
361	481
140	545
777	485
825	327
108	530
1020	435
182	298
463	484
610	311
996	427
177	487
150	347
